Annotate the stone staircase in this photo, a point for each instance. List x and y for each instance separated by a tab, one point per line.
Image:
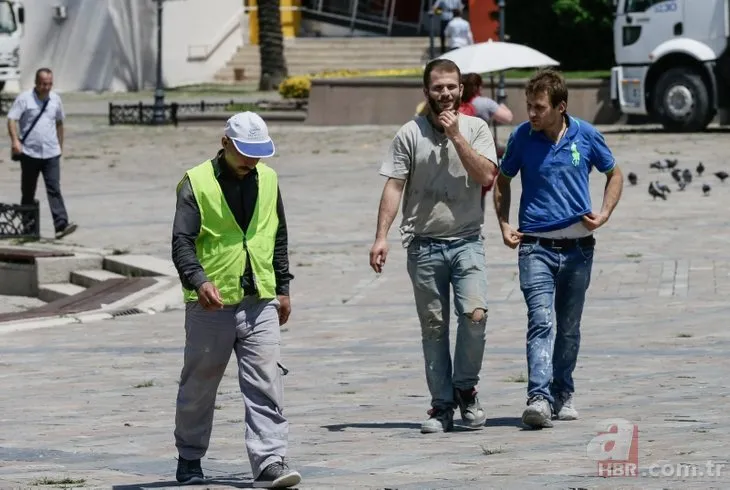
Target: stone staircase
72	282
78	282
312	55
110	267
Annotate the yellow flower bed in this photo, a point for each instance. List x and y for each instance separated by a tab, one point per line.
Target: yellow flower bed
297	87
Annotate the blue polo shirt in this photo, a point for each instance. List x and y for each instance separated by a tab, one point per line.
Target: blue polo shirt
555	191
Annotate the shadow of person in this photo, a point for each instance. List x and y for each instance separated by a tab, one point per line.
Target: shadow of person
243	480
504	422
458	427
372	425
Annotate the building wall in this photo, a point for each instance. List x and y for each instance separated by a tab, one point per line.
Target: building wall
112	44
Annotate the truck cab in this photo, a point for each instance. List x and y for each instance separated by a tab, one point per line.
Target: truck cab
12	20
672	60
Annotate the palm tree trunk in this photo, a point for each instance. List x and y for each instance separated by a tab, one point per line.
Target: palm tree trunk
271	45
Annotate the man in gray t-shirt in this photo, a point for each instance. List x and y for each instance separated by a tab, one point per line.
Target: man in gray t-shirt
438	163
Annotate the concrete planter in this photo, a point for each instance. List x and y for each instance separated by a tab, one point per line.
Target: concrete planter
348	101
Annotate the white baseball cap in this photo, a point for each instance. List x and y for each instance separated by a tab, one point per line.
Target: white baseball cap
250	135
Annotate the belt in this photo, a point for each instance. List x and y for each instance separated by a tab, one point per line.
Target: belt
586	241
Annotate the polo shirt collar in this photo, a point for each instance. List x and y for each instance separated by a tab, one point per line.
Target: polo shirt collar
573	127
570	133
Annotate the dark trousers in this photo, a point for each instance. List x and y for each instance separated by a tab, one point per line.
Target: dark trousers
444	23
30	169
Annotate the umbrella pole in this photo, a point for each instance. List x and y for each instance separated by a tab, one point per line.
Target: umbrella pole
501	95
494	97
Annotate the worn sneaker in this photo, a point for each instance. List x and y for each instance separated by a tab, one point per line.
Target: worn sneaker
66	230
189	472
471	411
277	475
564	408
440	420
537	415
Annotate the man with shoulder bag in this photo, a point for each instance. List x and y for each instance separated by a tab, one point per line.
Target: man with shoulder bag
35	126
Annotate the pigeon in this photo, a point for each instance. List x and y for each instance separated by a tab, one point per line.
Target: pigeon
682	185
663	188
687	175
657	165
700	169
632	178
722	175
654	192
671	163
677	175
706	189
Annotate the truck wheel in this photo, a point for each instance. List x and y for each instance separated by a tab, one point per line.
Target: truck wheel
681	101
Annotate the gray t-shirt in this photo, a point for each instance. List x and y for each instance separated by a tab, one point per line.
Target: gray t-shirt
485	107
440	200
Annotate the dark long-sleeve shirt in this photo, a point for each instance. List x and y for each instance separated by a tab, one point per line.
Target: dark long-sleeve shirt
240	195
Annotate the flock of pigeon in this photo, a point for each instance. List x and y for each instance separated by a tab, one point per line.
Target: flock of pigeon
682	177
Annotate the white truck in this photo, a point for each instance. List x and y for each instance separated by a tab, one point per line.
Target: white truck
12	20
673	61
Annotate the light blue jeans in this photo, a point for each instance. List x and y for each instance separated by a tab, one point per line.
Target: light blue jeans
553	278
435	267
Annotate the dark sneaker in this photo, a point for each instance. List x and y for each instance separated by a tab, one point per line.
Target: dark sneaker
439	420
564	407
66	230
189	472
277	475
471	411
538	413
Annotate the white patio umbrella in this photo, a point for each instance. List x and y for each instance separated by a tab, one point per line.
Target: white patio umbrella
493	56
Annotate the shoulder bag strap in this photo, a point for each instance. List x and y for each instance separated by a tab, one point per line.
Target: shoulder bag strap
22	140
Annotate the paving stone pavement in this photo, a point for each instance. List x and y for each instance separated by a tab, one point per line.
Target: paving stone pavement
95	402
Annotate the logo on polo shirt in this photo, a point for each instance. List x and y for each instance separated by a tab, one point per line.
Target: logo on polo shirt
576	154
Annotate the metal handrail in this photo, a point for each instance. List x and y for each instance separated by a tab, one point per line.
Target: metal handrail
387	19
229	29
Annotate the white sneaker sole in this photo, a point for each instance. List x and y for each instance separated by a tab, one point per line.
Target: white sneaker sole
536	420
289	480
475	424
568	416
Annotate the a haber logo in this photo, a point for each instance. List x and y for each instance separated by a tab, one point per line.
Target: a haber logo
615	448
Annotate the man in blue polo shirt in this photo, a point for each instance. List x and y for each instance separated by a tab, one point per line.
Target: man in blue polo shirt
554	154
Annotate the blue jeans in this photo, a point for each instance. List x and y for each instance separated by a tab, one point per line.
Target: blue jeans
558	278
435	267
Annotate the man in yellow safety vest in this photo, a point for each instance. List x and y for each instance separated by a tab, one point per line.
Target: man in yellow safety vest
229	245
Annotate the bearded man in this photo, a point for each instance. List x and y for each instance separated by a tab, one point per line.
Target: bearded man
439	163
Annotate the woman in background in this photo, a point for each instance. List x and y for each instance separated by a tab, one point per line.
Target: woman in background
474	104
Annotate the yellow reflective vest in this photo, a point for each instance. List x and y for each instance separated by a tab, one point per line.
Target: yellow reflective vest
222	246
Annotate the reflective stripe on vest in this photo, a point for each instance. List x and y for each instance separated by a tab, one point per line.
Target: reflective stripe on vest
221	246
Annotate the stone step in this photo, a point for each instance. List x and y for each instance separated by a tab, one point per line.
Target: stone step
54	291
312	55
90	277
406	59
139	266
357	41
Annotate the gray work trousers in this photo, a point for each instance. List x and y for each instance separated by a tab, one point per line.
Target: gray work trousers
251	330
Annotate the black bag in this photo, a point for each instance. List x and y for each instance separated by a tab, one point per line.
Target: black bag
16	156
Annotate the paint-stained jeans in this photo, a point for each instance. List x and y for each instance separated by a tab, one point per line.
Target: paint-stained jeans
560	278
435	267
